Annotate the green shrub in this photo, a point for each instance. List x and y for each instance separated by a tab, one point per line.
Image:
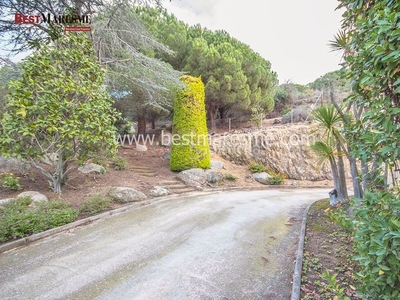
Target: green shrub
190	148
276	177
377	241
18	220
257	168
94	205
9	180
119	163
230	177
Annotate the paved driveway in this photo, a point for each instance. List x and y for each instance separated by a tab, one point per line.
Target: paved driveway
228	245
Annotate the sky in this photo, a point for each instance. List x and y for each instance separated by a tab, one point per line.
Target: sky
292	34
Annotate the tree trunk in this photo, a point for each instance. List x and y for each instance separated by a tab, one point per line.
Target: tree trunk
335	175
141	129
358	192
365	175
342	192
212	112
222	114
59	174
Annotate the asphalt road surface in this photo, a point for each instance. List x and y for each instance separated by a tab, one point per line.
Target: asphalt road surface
228	245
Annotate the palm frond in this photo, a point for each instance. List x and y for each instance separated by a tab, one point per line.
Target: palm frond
324	152
340	43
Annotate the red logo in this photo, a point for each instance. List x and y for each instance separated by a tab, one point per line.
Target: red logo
22	19
58	19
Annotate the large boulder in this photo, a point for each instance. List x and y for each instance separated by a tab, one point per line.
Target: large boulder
262	177
13	165
158	191
193	177
214	177
91	168
126	194
35	196
217	165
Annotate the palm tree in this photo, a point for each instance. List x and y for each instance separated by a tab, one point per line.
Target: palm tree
330	122
325	152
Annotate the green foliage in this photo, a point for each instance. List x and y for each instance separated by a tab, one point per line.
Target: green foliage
8	73
230	177
333	285
340	216
9	180
330	80
123	126
289	95
190	148
94	205
257	114
119	163
18	220
377	240
276	177
59	109
235	77
330	145
257	168
372	54
370	41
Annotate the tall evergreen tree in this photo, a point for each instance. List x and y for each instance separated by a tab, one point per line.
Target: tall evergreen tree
190	148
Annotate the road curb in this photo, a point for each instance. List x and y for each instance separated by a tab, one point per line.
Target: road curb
296	281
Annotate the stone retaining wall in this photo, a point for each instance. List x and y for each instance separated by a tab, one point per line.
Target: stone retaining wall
282	148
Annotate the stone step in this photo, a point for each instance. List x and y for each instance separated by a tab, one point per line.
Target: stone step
148	174
144	172
174	186
186	189
177	186
172	182
140	169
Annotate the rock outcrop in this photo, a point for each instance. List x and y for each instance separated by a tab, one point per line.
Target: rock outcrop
159	191
194	177
126	194
91	168
281	148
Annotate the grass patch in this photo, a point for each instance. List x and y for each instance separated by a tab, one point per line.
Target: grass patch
94	204
257	168
18	219
119	163
230	177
